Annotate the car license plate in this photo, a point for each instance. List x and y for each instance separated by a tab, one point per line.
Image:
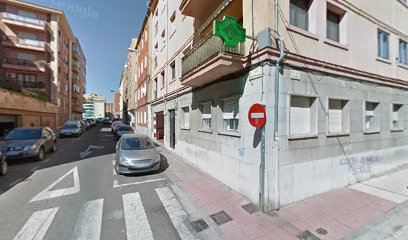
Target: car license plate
68	133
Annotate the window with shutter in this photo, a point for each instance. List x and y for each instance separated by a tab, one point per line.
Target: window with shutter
206	115
302	122
396	122
231	114
338	116
186	117
371	118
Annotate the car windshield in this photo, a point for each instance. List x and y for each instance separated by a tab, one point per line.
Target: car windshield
25	134
70	126
124	128
137	144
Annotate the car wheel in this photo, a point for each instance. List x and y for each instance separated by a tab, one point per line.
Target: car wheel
41	154
3	168
117	169
54	147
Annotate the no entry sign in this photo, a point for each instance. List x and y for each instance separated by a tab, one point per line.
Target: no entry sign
257	115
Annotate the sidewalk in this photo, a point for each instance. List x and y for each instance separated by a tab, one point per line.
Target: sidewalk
332	215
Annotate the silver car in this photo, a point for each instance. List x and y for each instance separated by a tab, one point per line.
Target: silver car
71	128
29	142
122	129
136	153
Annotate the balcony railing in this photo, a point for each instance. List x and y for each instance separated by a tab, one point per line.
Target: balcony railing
18	85
16	61
209	47
23	19
31	42
75	77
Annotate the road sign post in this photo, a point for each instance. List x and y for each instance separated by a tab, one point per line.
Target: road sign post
257	118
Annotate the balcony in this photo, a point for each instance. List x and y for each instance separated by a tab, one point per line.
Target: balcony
75	77
15	85
23	21
25	65
75	66
209	60
198	8
77	109
24	43
75	53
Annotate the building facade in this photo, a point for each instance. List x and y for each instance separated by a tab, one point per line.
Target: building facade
332	76
36	57
117	105
109	110
129	84
94	106
144	61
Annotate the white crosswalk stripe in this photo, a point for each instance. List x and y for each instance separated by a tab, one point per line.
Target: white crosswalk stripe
175	211
37	225
88	226
137	225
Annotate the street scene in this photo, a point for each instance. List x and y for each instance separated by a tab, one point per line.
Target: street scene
197	119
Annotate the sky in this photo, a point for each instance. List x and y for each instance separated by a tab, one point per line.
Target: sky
104	29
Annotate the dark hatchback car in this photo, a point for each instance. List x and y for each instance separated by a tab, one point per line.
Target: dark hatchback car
28	143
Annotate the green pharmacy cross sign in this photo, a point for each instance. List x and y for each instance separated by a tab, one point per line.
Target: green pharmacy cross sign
229	31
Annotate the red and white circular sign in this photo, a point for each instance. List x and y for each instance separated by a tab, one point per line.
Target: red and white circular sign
257	115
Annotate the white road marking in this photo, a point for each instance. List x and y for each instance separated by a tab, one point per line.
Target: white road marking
37	225
105	130
116	185
175	211
15	182
88	226
46	193
137	225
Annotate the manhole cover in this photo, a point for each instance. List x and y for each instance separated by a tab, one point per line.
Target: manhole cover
250	208
321	231
199	225
221	218
307	235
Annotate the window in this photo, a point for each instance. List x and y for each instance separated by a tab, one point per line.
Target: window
338	117
155	89
396	122
372	121
333	26
231	114
206	116
383	45
173	70
163	78
303	115
185	121
299	13
403	52
172	23
144	118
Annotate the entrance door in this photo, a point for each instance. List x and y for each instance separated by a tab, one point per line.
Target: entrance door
7	123
172	128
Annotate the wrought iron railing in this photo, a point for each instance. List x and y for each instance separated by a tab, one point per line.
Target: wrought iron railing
23	19
209	47
16	61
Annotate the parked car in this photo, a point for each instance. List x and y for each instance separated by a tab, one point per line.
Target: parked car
91	122
29	142
114	123
84	125
136	153
106	121
3	164
99	120
121	129
71	128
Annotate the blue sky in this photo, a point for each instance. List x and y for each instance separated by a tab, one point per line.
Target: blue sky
104	28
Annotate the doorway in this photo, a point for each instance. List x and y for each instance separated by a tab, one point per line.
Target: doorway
160	126
172	128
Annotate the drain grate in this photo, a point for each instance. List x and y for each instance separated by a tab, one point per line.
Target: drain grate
221	217
251	208
321	231
199	225
307	235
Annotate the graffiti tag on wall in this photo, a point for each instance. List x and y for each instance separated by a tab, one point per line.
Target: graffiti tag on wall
359	165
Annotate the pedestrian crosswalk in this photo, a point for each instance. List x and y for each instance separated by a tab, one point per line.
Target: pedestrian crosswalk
88	225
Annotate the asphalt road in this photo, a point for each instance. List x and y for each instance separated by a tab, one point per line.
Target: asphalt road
75	194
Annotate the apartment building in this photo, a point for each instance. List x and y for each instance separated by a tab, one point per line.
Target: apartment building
78	82
117	104
129	84
36	63
94	106
171	36
109	109
143	66
340	102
